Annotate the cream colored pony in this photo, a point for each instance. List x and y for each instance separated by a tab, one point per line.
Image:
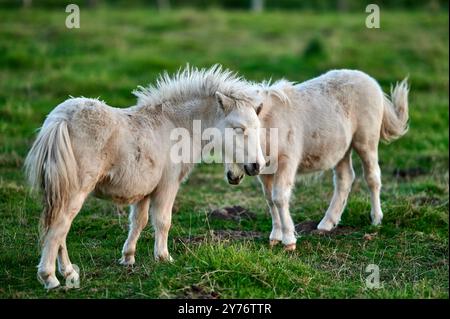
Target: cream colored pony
319	123
85	146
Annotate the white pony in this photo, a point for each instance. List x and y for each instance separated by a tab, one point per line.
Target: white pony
319	123
85	146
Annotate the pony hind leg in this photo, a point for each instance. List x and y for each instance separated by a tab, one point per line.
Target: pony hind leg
65	267
372	174
54	243
276	235
343	180
138	221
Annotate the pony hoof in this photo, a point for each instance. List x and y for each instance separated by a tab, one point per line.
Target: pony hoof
49	281
127	261
274	242
325	225
376	221
290	247
72	280
73	276
164	258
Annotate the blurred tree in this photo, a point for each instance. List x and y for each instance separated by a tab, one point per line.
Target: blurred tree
434	5
163	4
27	3
257	5
254	5
342	5
93	3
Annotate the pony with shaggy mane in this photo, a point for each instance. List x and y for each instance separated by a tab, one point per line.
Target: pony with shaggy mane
123	155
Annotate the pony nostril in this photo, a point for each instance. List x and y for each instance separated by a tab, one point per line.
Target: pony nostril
234	180
252	169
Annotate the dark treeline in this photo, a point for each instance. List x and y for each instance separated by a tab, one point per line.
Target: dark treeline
255	5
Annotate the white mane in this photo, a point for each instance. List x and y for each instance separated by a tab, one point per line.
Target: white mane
277	89
192	82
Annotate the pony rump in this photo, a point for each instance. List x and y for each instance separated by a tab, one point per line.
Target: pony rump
51	168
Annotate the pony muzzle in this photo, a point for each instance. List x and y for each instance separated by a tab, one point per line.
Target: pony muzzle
234	180
252	169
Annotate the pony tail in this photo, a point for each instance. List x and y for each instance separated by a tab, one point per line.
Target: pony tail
51	168
395	116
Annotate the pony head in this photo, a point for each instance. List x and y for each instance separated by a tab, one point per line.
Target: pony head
241	134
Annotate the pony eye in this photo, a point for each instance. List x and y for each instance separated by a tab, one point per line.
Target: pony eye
239	130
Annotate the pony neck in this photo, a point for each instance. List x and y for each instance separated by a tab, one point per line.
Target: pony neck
195	116
203	109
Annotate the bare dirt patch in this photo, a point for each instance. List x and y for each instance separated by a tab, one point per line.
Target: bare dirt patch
310	228
408	172
199	292
428	201
236	213
221	235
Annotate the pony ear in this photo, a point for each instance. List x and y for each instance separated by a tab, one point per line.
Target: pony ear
224	101
259	108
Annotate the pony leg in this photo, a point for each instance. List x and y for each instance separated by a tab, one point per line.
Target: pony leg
161	214
54	239
281	193
65	267
138	220
276	234
372	174
343	180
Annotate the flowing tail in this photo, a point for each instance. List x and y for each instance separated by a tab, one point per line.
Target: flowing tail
51	167
395	116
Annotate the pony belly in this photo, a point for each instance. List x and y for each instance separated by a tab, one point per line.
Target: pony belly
314	161
125	192
122	198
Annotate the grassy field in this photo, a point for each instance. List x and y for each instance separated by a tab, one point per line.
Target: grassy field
42	63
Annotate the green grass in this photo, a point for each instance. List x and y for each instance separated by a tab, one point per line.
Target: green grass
42	63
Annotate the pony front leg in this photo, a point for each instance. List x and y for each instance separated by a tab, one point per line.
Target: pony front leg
276	235
281	193
161	214
138	220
